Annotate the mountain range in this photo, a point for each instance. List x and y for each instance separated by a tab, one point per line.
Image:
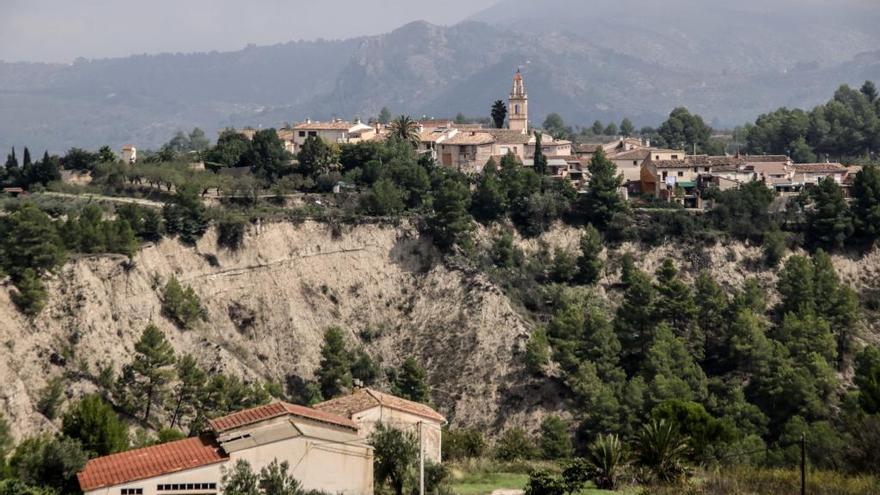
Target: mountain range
599	60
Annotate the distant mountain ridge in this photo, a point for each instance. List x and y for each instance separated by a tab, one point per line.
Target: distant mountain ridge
420	69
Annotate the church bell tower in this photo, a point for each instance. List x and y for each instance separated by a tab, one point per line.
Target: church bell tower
518	108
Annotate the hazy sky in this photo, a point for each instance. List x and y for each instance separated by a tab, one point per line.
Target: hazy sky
61	30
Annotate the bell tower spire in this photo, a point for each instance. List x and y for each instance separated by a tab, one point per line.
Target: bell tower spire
518	107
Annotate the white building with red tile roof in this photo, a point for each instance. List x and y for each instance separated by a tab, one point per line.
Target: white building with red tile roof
368	408
324	450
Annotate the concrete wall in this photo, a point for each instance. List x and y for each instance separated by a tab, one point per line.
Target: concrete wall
204	474
431	430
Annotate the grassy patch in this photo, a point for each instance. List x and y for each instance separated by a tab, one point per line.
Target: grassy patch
486	483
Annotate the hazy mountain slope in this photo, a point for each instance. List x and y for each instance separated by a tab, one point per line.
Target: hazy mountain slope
419	69
752	36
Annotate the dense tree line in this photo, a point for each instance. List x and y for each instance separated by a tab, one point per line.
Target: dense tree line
846	127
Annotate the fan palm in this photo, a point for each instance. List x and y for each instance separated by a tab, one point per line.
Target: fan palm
662	449
608	458
405	129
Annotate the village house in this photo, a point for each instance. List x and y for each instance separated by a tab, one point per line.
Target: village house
129	154
809	174
368	408
325	452
466	151
336	131
672	180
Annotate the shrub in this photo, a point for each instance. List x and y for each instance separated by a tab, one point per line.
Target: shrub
542	482
555	438
465	443
181	304
51	398
31	294
230	233
515	445
538	351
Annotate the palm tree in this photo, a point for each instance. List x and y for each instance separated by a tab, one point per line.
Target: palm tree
661	448
405	129
608	458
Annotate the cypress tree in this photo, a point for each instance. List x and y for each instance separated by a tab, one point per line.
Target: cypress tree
540	160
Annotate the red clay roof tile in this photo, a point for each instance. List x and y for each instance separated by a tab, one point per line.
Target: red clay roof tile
366	398
149	462
274	410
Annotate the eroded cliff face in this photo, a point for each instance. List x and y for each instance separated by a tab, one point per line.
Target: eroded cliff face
269	303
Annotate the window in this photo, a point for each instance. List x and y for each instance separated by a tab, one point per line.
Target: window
675	157
681	174
635	162
516	109
302	133
705	169
657	158
132	491
175	487
313	133
664	174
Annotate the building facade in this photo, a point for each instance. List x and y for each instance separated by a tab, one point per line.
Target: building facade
325	452
368	408
518	105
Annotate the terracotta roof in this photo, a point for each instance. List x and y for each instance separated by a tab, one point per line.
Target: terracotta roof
833	168
589	148
766	158
672	163
506	136
366	398
641	154
149	462
325	126
275	410
470	139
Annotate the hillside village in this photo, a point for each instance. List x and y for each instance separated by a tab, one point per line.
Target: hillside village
328	295
665	174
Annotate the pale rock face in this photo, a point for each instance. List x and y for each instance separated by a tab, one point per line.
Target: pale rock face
269	304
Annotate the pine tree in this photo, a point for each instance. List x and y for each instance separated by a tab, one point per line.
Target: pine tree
866	203
31	241
867	378
602	200
384	116
635	321
191	379
144	381
31	294
676	306
411	382
94	423
499	114
590	263
489	201
829	222
671	370
334	374
712	317
870	91
600	345
627	128
796	286
451	223
555	440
